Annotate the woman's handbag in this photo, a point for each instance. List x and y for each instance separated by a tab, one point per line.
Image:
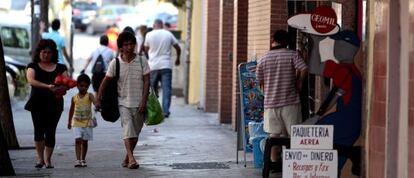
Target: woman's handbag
154	114
109	100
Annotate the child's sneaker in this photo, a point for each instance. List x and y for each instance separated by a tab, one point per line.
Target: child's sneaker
78	163
83	163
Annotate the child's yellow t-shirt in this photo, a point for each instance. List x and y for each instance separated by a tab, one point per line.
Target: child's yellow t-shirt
82	110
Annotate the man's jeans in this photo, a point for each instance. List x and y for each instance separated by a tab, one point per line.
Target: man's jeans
165	77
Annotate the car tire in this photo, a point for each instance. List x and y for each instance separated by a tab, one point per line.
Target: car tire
90	30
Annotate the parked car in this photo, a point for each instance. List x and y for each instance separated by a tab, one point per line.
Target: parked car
120	15
15	34
16	37
83	13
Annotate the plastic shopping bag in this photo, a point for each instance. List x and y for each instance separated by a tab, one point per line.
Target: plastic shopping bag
154	114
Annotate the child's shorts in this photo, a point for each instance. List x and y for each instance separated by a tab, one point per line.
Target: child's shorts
84	133
278	120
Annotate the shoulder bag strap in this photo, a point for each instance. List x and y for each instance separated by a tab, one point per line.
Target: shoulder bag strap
117	68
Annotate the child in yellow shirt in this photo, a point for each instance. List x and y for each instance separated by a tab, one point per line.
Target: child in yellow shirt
80	119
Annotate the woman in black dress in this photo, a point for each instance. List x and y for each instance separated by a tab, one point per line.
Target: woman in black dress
46	100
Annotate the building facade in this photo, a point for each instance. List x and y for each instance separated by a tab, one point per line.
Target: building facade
229	32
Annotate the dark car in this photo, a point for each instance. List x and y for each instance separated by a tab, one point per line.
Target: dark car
83	13
14	73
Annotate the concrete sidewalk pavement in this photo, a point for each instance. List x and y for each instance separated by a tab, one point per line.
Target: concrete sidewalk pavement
190	143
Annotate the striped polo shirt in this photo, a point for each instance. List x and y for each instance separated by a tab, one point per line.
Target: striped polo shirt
130	82
277	70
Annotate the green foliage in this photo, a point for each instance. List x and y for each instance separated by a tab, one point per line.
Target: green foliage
22	86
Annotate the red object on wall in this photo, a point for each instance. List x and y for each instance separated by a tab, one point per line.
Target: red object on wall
323	19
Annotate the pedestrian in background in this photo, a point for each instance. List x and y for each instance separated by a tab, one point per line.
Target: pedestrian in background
133	89
59	40
45	102
141	31
158	44
112	32
80	117
100	66
281	72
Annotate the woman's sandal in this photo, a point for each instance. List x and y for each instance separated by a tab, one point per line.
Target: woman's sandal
133	166
49	167
39	165
124	164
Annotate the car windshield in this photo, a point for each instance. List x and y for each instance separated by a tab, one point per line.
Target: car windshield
124	10
15	37
85	6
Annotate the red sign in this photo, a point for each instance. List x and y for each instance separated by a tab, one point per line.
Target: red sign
323	19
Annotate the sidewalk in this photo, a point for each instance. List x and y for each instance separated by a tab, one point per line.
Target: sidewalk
190	143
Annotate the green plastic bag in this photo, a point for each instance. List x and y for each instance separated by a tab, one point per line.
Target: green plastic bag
154	114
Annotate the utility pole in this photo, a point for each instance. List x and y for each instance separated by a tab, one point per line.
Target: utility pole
189	9
6	122
44	13
40	12
35	11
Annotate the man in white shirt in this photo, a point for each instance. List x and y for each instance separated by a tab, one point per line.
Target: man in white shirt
158	44
107	56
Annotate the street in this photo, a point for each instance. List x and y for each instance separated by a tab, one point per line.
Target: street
190	143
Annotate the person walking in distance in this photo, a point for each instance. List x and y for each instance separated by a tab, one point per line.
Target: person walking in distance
280	73
158	44
100	59
59	40
133	90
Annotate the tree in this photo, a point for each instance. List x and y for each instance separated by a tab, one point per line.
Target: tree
8	138
6	115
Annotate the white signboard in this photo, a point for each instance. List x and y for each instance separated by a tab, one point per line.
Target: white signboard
310	163
311	137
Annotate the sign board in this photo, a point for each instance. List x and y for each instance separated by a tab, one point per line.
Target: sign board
310	163
311	137
251	99
322	21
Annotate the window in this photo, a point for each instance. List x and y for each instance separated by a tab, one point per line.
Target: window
15	37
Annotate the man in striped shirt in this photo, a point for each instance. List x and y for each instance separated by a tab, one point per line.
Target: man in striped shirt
281	72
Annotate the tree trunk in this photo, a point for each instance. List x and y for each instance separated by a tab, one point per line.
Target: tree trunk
8	138
189	9
6	115
6	167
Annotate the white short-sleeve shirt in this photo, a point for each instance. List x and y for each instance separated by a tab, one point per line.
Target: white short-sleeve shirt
160	42
130	82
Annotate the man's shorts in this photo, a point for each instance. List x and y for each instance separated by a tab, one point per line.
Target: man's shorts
84	133
131	121
278	120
